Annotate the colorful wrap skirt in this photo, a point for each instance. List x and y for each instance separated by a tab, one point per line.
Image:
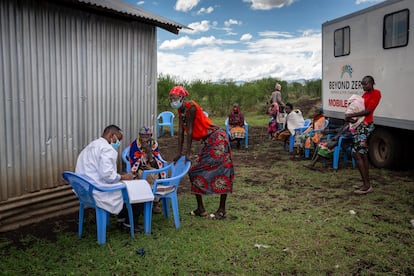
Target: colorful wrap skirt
213	171
237	132
360	137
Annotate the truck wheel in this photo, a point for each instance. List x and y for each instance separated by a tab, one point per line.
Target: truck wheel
383	149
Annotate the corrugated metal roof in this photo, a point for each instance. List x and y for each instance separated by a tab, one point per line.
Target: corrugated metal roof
117	7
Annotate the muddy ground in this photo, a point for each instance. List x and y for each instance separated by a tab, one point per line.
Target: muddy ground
168	147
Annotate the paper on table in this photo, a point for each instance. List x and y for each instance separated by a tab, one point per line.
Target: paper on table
138	191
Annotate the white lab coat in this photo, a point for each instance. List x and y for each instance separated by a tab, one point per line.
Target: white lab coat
98	162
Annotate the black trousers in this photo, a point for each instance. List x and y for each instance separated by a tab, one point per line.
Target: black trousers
137	209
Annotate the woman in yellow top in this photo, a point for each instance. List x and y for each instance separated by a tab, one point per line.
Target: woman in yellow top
212	172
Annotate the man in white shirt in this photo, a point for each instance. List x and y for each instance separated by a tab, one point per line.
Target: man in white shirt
97	161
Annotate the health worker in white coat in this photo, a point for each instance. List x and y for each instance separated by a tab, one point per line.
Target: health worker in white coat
97	161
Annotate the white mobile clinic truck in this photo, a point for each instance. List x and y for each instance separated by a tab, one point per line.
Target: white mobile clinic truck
376	41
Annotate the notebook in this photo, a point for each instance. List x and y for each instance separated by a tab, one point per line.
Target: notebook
138	190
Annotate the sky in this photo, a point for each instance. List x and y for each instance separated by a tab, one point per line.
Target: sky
245	40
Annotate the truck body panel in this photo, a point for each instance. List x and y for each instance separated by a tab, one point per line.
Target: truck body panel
392	69
375	41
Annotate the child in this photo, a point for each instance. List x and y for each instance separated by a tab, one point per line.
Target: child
273	112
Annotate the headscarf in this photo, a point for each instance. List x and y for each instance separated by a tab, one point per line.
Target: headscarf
278	87
179	91
319	110
145	130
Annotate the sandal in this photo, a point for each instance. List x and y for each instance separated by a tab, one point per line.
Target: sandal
218	215
197	213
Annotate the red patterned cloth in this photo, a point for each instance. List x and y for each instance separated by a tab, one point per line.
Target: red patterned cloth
213	172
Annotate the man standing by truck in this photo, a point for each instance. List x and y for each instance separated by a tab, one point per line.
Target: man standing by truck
361	134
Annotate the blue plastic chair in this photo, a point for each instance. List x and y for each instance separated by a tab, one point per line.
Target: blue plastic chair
83	188
345	151
307	151
175	171
165	118
246	129
125	159
298	130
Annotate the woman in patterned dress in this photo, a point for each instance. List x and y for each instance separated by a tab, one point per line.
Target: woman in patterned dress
144	155
212	172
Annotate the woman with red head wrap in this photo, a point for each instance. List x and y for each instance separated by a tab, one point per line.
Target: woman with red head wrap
236	125
212	172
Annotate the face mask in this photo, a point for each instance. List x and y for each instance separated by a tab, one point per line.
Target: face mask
176	104
116	145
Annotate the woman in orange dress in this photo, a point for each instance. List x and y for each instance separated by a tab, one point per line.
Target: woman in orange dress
212	172
318	123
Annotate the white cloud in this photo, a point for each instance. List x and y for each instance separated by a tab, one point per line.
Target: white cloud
367	1
230	22
275	34
246	37
185	41
269	4
205	11
139	3
185	5
197	27
288	58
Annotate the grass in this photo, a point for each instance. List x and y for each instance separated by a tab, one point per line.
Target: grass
282	219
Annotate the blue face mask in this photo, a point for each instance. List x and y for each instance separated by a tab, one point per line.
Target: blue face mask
176	104
116	145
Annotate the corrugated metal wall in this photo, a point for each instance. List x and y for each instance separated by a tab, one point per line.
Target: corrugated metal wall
64	75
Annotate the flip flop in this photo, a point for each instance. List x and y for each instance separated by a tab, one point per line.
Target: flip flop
218	215
197	213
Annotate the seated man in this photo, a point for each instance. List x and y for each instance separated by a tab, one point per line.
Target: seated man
144	155
236	125
97	161
294	119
